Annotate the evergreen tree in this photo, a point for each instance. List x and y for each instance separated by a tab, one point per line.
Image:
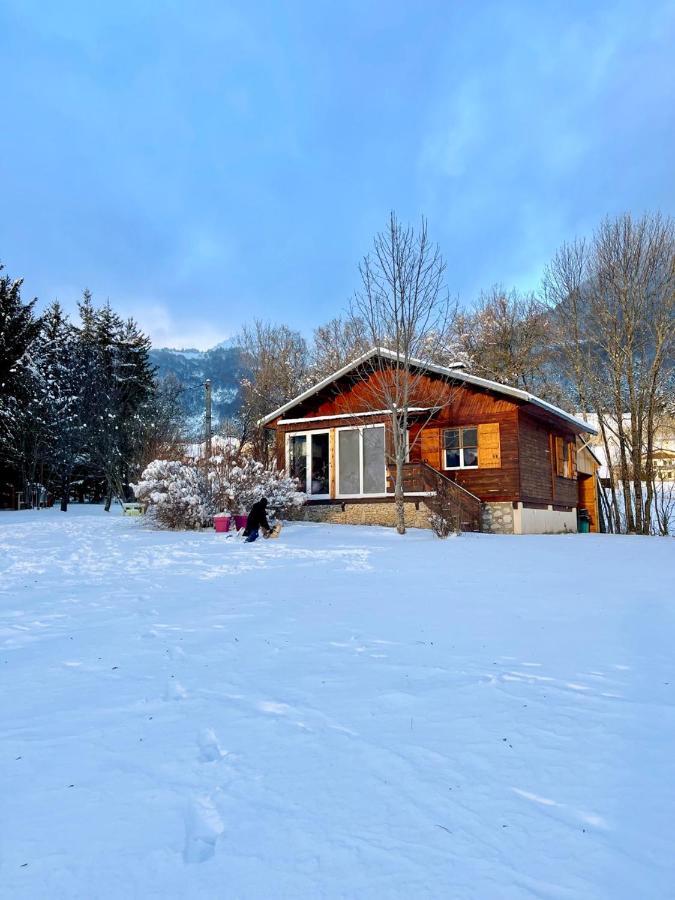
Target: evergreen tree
116	397
64	376
75	400
136	394
19	330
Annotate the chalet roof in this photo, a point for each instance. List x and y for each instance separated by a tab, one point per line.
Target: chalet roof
454	373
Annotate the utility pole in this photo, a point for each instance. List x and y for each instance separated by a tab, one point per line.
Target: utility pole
207	399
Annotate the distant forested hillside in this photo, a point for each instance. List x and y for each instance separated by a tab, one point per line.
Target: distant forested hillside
223	365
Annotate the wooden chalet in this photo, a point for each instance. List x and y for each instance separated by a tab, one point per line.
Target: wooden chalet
507	458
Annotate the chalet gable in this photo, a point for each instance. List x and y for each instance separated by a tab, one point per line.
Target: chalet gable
308	405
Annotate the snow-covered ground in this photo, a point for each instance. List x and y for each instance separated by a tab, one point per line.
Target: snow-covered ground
341	713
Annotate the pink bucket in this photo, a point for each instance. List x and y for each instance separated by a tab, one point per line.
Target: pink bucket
222	523
240	522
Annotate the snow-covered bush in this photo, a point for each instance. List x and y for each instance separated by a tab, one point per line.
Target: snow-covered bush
443	526
176	495
238	482
282	492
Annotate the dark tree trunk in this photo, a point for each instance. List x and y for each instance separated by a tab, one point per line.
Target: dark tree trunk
65	493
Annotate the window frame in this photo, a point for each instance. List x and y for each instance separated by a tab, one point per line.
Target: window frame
308	436
444	449
360	429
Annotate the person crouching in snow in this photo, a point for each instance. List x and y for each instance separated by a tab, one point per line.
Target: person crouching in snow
257	520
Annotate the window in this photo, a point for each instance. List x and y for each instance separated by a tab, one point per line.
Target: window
360	461
320	481
297	459
308	460
460	447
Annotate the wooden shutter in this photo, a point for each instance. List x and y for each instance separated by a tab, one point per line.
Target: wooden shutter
559	458
572	456
430	447
489	446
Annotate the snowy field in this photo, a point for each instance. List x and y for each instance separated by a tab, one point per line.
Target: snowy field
341	713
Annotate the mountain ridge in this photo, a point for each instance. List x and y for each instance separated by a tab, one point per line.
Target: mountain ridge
223	365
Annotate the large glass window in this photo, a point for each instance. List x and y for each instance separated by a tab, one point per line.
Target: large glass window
373	461
460	448
297	459
350	462
361	461
320	463
309	462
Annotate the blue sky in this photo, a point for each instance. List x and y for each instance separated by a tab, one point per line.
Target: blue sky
203	164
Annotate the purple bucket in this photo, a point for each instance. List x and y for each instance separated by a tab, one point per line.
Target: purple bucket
240	522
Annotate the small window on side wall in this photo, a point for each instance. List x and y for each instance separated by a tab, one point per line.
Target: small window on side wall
460	448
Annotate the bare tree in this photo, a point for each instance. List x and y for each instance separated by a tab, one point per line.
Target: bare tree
337	343
166	430
664	504
614	301
507	337
405	308
276	359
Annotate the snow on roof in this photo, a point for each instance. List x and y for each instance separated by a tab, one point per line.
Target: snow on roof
453	371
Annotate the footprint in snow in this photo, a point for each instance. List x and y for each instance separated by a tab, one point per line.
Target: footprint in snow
273	708
174	690
203	827
209	748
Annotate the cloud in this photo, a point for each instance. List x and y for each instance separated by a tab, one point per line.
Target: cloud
453	138
166	329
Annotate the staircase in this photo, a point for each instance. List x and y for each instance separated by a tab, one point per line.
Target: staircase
442	495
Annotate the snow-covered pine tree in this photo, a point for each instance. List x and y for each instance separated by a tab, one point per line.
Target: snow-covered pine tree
19	330
117	396
63	380
136	392
108	421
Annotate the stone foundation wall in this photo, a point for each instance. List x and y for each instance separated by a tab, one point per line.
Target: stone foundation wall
363	514
497	518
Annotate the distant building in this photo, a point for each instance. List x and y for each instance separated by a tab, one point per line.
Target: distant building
663	456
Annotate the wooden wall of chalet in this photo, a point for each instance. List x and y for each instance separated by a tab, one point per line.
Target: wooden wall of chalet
360	395
469	407
539	483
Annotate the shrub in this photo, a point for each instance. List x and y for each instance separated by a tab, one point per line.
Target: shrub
443	527
176	495
239	482
446	517
282	492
